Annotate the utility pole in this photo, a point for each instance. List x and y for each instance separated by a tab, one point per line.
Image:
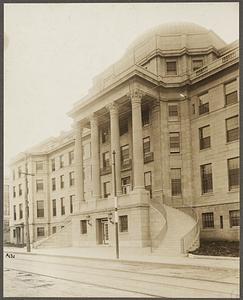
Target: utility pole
27	207
115	198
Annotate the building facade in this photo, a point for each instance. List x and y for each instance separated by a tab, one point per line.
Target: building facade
160	130
6	211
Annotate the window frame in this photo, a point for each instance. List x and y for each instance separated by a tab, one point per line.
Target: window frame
83	227
173	72
38	231
235	218
40	211
176	183
208	220
54	207
204	141
177	149
234	92
236	129
208	181
230	186
123	227
105	183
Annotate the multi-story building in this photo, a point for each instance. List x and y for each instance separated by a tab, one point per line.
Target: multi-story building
169	110
6	211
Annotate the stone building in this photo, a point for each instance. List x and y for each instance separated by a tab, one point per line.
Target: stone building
6	211
169	109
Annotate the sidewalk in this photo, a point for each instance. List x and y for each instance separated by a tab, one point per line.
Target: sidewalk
132	255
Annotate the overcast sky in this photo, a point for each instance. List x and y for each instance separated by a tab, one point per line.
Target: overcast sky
52	52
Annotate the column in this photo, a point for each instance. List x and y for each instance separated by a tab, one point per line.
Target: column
138	169
95	155
78	155
115	143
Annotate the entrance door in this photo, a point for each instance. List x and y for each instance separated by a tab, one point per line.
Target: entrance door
104	231
18	235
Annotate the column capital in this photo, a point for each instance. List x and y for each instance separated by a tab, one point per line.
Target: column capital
136	96
112	107
93	120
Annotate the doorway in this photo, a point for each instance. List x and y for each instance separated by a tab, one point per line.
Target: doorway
103	231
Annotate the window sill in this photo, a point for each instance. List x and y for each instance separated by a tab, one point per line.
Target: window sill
231	142
204	149
209	194
147	125
234	190
231	104
123	232
209	228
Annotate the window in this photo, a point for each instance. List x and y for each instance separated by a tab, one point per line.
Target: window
204	137
54	208
14	209
40	231
173	112
53	165
106	160
146	146
148	182
83	226
232	129
221	222
86	150
62	207
104	134
19	172
234	173
107	189
13	175
208	220
14	191
203	104
20	210
206	178
197	64
125	160
39	166
71	157
230	89
62	181
175	182
14	233
53	184
54	229
71	203
145	116
39	185
61	161
123	127
171	68
20	189
193	109
174	142
126	186
234	216
71	178
40	209
123	223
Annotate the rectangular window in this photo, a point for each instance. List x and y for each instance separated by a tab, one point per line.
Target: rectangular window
234	173
39	185
107	189
53	184
14	233
221	222
14	209
145	116
86	150
54	229
230	89
61	161
173	112
123	127
232	129
83	226
39	166
174	142
62	181
19	172
204	137
148	182
125	160
197	64
71	203
106	160
40	209
54	208
208	220
40	231
71	178
171	68
126	185
20	189
206	178
175	182
123	223
71	157
53	165
234	216
20	210
14	191
146	146
104	134
203	104
62	207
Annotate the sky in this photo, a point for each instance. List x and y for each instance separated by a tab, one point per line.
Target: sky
53	51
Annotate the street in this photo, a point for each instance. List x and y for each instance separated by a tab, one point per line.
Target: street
52	276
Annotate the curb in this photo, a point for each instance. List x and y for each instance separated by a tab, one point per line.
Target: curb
213	257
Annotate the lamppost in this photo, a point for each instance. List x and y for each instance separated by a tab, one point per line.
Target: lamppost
115	199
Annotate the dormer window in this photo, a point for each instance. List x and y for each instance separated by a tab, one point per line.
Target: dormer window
171	68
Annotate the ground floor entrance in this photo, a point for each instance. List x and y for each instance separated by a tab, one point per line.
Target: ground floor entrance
103	231
19	235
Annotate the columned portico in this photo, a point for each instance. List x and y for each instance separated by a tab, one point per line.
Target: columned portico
78	154
95	157
115	143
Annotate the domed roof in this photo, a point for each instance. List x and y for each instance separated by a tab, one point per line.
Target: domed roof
191	31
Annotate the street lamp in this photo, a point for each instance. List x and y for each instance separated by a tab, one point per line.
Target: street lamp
115	199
